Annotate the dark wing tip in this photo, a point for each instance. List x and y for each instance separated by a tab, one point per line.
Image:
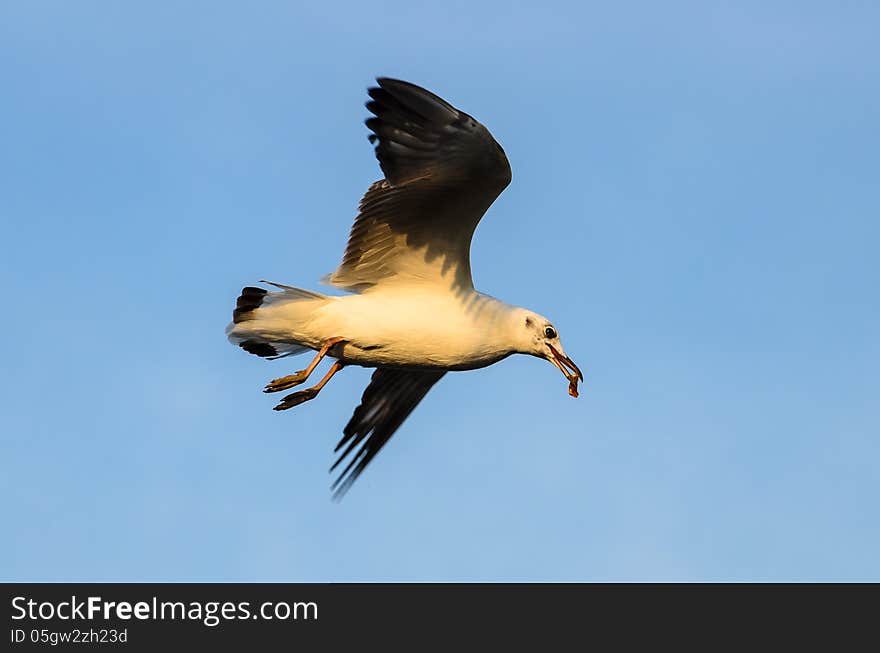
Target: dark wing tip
418	135
420	100
387	401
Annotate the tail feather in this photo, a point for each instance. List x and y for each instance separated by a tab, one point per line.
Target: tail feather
264	349
255	325
250	299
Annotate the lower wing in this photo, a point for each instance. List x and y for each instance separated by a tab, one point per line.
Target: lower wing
389	399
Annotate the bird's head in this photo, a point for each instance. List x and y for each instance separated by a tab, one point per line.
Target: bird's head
538	337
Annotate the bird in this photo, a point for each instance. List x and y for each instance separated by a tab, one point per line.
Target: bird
410	309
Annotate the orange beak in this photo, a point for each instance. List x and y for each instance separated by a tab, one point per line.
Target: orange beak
567	366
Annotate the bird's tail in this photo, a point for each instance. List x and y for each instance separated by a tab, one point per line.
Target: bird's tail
265	323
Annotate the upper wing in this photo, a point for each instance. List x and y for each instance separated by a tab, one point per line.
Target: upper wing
389	399
442	171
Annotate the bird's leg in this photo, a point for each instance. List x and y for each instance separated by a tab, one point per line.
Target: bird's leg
303	396
291	380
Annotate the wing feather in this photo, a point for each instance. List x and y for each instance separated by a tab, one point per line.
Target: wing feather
443	170
389	399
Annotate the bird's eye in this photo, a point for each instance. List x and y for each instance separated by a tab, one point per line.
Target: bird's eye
550	332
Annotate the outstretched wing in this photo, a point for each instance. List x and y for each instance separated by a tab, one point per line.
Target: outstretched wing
442	169
389	399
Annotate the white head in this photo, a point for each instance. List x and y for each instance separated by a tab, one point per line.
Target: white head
535	335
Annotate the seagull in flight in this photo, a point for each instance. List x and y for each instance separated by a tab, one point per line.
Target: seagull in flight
412	311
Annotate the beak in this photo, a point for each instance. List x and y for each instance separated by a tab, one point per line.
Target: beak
567	366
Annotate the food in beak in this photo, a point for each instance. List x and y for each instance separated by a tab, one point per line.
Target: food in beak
567	366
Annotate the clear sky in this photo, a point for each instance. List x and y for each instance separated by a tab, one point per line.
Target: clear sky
695	205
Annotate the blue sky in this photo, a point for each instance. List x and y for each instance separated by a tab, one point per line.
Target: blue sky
694	205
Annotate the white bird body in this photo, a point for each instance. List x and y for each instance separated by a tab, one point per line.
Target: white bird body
388	327
414	313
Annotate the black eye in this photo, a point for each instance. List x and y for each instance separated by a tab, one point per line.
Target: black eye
550	332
